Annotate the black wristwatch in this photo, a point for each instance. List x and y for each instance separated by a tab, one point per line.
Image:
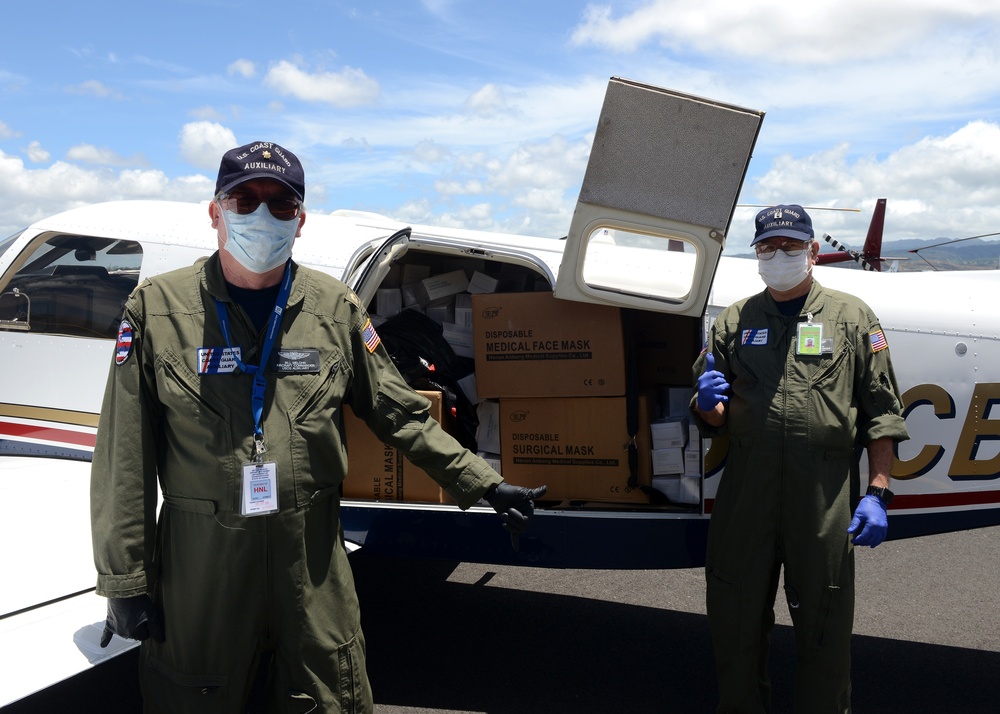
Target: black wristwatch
883	493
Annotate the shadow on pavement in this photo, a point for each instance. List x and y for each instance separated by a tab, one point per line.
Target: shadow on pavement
434	644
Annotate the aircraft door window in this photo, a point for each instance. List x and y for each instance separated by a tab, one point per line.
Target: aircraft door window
658	267
70	285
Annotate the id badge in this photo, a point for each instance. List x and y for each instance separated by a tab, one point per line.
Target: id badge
809	340
260	489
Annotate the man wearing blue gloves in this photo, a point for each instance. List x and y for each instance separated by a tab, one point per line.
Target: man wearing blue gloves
799	378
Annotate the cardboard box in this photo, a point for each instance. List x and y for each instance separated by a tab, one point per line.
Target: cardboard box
460	338
463	310
667	461
439	286
692	459
679	489
533	345
380	472
482	283
577	446
669	433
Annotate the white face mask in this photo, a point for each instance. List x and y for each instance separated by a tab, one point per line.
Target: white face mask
783	272
259	241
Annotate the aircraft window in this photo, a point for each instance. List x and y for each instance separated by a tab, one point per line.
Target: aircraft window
71	285
650	266
5	244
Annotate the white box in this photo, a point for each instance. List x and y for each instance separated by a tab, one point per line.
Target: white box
667	461
468	385
411	294
388	301
694	434
459	338
680	399
492	460
439	286
463	310
692	460
488	433
679	489
441	311
482	283
669	433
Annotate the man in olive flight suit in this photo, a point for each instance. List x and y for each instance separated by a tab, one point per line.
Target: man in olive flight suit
799	378
226	393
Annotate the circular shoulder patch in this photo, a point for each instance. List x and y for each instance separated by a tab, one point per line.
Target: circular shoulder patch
123	347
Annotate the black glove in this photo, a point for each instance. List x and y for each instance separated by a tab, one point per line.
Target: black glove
134	618
514	504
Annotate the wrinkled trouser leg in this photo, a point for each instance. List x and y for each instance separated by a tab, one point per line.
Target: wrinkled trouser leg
742	570
819	588
231	588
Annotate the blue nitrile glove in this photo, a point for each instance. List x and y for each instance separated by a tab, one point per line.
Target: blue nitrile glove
515	504
712	386
134	618
870	516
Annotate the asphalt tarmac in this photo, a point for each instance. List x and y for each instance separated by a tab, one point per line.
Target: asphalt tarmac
463	638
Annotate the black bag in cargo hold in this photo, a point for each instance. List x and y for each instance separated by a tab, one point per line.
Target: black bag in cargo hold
427	362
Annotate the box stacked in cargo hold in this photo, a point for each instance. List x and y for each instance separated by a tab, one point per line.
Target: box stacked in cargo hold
380	472
557	369
549	383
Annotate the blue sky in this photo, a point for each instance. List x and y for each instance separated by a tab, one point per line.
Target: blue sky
480	114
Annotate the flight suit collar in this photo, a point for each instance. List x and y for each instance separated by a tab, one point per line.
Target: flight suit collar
815	301
214	282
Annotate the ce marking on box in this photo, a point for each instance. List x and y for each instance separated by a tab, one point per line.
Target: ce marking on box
591	382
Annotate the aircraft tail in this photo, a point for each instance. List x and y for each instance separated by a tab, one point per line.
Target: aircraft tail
870	256
872	251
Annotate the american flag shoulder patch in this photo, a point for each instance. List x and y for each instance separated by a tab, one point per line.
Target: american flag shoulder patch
877	340
123	346
370	337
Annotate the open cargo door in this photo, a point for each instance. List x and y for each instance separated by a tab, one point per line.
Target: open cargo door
659	193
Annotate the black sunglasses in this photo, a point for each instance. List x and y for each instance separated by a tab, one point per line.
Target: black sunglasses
284	208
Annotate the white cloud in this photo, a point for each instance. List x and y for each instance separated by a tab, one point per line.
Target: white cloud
938	186
95	88
242	67
6	132
36	153
35	193
207	113
819	31
202	143
349	88
100	156
488	101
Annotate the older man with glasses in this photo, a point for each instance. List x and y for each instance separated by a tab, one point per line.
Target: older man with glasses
244	576
798	378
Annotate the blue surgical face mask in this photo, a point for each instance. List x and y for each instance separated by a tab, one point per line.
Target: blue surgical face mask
259	241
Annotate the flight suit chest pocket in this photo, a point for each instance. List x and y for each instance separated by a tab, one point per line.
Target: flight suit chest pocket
315	393
182	391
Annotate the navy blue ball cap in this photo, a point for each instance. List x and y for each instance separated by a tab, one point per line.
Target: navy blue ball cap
789	221
261	159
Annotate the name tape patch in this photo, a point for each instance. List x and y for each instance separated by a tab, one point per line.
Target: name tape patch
218	360
755	336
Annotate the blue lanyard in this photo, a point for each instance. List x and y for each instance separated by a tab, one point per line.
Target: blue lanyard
258	370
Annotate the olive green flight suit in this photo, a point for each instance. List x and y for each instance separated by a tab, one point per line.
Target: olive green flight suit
795	424
232	587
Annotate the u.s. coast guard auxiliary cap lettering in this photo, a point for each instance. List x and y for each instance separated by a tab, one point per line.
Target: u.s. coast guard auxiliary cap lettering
261	159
